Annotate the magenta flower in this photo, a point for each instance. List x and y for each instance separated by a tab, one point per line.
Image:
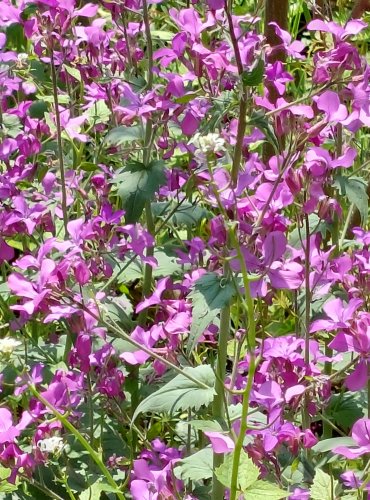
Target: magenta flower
340	315
221	443
361	437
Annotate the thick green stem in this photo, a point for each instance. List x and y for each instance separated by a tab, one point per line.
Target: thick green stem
72	429
218	406
60	144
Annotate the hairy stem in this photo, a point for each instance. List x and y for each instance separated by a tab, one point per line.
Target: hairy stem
59	142
218	406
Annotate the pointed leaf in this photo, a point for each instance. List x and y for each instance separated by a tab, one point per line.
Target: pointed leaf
211	292
254	77
181	393
247	473
137	184
119	135
262	490
195	467
323	487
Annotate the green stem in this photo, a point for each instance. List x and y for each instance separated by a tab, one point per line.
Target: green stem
243	427
305	414
148	270
72	429
114	328
251	340
60	144
218	406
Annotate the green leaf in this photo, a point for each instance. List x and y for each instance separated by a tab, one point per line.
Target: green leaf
15	38
259	120
195	467
206	425
99	112
315	225
262	490
181	393
38	109
355	190
120	135
137	184
74	72
211	292
88	166
247	473
323	487
329	444
344	409
254	77
92	493
95	490
186	214
5	486
166	36
11	125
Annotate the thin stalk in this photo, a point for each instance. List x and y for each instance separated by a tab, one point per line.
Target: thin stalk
346	225
72	429
243	427
368	391
218	405
148	270
60	144
251	340
114	328
44	489
305	414
243	99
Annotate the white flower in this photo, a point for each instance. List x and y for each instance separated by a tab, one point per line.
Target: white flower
210	143
54	444
7	346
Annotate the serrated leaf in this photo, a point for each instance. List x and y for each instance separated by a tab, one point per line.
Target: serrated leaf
74	72
247	473
120	135
166	36
329	444
262	490
355	190
38	109
95	490
206	425
323	487
99	112
185	214
254	77
92	493
195	467
259	120
5	486
11	125
181	393
137	184
316	226
344	409
211	292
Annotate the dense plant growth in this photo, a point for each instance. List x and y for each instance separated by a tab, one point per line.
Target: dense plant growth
184	251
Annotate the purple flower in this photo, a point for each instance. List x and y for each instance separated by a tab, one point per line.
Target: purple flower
361	437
